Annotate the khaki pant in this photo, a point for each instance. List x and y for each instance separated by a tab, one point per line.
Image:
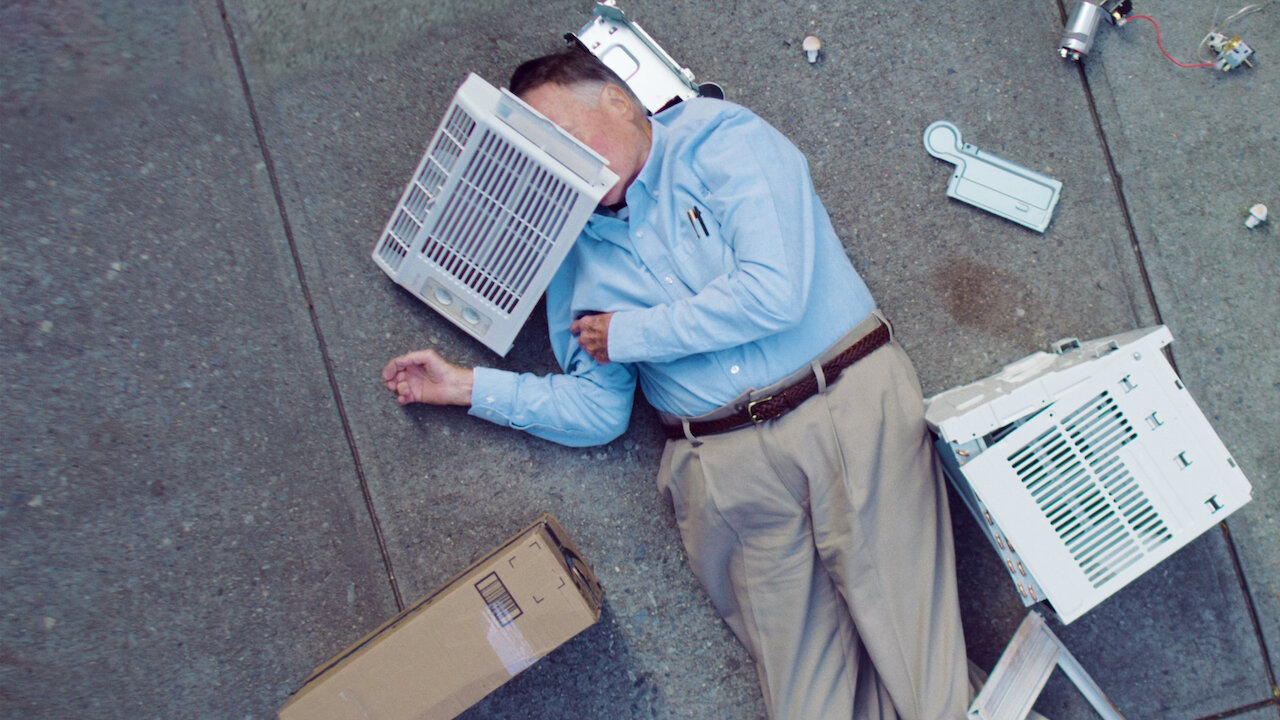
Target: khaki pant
823	539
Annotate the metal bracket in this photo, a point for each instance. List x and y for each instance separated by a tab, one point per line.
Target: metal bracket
654	76
1023	670
993	183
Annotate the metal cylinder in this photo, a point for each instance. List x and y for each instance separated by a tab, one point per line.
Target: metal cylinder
1077	36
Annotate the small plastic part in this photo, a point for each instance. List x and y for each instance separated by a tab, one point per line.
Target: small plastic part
1117	10
1064	345
992	183
1232	52
811	47
1257	216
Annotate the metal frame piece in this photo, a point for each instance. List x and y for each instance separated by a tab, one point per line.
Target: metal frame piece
1024	668
653	75
992	183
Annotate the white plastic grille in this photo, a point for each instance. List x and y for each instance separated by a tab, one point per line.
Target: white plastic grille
1094	461
425	186
1086	492
492	209
497	227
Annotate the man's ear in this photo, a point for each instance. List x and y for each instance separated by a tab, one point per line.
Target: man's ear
618	101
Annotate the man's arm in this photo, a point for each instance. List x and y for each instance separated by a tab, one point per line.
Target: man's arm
425	377
590	406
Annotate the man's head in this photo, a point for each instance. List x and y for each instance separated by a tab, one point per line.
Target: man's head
584	97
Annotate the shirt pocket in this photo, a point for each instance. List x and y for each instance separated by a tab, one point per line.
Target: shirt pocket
701	249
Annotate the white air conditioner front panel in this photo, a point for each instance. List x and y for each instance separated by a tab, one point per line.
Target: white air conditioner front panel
492	209
1100	485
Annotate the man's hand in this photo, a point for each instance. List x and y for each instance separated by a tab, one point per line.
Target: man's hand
425	377
593	335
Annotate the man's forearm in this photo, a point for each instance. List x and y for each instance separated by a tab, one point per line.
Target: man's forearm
459	385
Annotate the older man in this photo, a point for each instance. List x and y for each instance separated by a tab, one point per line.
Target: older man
798	462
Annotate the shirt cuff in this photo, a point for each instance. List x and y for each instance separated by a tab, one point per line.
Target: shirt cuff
492	394
626	337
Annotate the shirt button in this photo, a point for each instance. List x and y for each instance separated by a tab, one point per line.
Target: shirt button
670	280
639	233
489	399
735	369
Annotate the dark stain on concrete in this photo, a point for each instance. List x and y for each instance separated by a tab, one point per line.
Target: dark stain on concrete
990	299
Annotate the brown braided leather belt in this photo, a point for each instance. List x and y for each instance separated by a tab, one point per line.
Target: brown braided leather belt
790	397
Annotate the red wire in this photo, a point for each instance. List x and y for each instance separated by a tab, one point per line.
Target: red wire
1161	44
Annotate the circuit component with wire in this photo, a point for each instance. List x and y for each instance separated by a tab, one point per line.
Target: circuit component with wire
1232	52
1082	26
1160	43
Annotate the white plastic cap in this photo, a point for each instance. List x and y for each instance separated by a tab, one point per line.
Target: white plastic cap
1257	215
811	47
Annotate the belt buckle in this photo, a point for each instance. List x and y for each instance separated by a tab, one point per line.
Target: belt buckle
751	409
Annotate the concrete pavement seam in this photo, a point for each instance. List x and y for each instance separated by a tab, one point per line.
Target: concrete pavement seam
1253	615
311	311
1236	712
1116	181
1250	609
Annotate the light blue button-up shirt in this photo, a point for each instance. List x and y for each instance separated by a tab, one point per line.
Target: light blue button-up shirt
725	275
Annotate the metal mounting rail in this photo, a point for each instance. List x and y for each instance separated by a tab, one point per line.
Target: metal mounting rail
1023	670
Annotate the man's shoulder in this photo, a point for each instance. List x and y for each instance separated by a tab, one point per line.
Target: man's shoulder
700	111
698	125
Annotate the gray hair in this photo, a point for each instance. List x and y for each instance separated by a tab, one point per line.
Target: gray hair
573	67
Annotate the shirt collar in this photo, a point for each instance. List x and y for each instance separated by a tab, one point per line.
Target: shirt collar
648	178
604	225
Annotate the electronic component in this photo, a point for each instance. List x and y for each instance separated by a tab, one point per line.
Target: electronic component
1082	26
1232	52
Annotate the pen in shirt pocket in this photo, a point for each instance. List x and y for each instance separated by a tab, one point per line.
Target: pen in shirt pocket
695	219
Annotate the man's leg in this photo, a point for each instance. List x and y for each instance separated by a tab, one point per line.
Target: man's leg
746	527
882	528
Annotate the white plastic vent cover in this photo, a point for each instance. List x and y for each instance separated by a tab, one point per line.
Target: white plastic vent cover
1086	467
491	211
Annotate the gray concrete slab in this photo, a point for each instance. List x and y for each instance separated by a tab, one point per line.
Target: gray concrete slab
968	290
347	131
183	530
1197	148
181	274
1135	643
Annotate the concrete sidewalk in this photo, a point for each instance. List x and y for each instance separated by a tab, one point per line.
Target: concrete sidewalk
207	492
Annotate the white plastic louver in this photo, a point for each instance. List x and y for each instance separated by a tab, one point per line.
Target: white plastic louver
494	206
1086	467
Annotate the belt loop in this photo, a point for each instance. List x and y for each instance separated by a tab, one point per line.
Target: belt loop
820	375
684	423
884	320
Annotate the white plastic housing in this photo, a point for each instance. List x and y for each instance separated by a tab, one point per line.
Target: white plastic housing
491	211
1086	467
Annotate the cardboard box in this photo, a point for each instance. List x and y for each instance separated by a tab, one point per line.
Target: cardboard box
461	642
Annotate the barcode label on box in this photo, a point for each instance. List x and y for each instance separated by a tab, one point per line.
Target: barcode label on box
498	598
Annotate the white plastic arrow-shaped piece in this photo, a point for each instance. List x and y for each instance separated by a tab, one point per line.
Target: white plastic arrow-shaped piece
991	182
